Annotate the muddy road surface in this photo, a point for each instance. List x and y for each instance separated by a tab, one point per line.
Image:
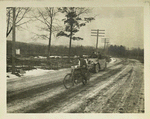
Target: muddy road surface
118	89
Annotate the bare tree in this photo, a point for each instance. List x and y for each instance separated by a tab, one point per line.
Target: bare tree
49	24
15	18
21	14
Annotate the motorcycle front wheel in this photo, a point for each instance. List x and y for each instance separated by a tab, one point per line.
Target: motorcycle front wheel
68	81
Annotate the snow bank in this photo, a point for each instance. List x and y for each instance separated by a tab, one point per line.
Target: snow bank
34	72
11	76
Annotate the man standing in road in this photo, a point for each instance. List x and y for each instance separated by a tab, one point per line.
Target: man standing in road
93	55
99	55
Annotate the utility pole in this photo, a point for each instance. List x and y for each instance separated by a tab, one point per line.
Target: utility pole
97	34
107	46
97	40
106	41
13	41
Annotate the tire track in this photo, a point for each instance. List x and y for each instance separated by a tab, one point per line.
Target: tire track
114	104
25	93
117	98
126	97
54	102
104	95
31	92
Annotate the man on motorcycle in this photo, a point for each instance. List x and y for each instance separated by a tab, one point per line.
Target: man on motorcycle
82	66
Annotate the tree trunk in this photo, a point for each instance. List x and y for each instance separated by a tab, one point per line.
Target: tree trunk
70	44
13	43
49	46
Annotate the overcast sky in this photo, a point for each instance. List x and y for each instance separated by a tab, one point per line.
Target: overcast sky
122	25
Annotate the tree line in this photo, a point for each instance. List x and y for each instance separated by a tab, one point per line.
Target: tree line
122	51
27	50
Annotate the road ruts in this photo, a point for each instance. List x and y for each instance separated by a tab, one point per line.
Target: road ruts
126	95
51	96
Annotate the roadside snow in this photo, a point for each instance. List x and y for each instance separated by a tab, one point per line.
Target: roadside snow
34	72
38	72
112	60
11	76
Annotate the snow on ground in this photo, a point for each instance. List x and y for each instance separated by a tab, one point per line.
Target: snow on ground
34	72
38	72
112	60
11	76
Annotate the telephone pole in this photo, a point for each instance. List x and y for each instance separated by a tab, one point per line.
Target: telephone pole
13	41
106	41
107	47
96	33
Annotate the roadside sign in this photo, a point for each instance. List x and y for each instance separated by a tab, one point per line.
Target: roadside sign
18	51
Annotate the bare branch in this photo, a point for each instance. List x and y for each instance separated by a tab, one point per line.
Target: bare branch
26	10
23	23
42	22
19	10
8	21
8	32
45	20
37	36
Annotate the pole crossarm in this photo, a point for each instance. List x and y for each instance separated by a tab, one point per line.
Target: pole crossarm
98	33
96	30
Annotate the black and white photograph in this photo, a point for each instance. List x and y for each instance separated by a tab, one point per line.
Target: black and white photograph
75	59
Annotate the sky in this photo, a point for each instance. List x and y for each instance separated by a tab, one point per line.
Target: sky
122	25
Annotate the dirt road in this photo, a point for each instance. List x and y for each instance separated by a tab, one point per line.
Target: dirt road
118	89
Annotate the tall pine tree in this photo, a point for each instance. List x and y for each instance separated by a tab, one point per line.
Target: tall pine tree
73	21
